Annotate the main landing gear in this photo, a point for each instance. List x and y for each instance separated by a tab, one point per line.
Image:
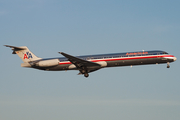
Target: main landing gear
168	66
83	71
86	75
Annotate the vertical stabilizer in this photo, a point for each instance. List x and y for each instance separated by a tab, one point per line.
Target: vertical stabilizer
24	53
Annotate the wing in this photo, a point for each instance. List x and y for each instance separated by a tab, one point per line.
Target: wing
79	62
82	64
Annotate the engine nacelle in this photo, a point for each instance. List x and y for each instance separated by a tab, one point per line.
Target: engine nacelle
48	63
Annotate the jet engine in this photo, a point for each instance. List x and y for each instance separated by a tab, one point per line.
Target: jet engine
48	63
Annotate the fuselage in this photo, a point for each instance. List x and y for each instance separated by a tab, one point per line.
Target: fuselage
110	60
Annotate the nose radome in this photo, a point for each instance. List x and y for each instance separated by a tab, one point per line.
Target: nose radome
175	58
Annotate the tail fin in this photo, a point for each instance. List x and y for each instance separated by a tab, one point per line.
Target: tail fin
24	53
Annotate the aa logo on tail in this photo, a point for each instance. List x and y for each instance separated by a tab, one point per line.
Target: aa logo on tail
27	55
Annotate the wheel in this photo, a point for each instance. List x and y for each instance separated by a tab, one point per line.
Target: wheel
86	75
83	71
168	66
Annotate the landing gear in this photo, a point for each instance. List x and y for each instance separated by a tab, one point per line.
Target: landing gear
168	66
86	75
84	71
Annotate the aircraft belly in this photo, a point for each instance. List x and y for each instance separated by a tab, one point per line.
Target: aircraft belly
59	68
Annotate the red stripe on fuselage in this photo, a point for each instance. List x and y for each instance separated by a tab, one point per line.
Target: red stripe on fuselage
125	58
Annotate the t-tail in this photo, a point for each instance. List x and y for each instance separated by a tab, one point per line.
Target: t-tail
25	54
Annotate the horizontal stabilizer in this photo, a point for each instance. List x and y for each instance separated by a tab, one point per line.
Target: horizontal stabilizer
15	48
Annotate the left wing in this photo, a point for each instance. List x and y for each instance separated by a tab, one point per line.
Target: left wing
84	66
79	62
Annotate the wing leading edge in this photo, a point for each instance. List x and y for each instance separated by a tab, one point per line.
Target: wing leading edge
83	66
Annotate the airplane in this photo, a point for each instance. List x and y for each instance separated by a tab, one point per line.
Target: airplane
90	63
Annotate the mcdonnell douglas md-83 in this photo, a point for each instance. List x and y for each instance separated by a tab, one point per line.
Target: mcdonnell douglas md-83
90	63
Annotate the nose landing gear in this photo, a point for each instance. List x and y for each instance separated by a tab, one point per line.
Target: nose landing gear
168	66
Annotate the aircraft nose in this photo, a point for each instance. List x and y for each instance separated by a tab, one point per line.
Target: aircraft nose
175	58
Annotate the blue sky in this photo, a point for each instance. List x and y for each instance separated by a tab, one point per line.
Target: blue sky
89	27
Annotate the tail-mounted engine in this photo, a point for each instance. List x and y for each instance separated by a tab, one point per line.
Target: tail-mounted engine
47	63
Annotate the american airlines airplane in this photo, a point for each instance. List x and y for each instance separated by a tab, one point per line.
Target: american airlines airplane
90	63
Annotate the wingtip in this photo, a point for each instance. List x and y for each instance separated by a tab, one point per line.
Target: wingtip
8	46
